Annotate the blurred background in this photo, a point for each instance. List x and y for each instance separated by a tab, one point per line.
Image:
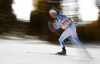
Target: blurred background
28	18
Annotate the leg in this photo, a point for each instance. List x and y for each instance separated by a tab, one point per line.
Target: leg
63	37
61	40
76	41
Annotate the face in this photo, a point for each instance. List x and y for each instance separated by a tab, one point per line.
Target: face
53	15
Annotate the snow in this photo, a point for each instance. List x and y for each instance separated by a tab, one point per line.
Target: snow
17	52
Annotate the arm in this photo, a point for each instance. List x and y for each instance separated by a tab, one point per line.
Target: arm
63	24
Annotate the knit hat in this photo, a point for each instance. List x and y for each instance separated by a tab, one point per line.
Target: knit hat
52	11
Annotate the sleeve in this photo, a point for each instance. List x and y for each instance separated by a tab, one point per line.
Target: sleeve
63	16
56	27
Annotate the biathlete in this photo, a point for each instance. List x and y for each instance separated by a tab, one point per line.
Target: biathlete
62	21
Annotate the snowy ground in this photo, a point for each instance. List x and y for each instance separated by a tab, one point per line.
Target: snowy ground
17	52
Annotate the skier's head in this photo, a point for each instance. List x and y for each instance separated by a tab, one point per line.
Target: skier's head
53	13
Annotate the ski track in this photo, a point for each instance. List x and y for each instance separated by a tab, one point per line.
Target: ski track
24	52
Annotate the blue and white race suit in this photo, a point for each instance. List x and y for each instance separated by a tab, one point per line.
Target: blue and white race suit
63	22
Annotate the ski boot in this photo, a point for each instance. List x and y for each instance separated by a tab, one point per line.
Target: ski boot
63	52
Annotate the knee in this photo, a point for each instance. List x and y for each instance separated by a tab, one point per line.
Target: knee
61	39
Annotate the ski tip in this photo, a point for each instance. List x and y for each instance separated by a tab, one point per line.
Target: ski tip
58	54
